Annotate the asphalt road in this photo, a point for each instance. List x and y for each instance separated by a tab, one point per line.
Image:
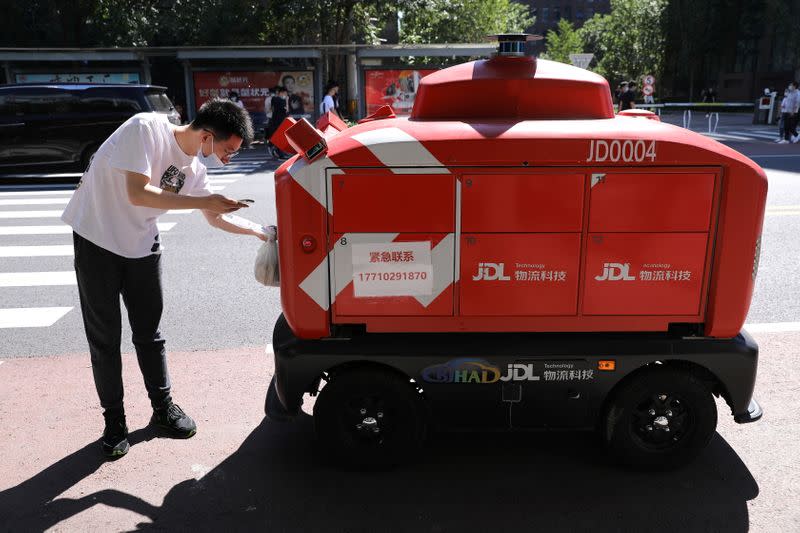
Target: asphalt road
242	472
212	300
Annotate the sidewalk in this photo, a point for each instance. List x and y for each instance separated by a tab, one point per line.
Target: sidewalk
51	422
243	473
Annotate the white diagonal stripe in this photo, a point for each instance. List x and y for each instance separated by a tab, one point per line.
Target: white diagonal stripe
215	187
60	229
443	267
396	149
316	284
54	213
311	178
37	251
36	279
31	317
342	257
214	180
33	201
67	192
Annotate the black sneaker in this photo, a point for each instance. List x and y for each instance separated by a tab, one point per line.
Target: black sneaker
175	420
115	438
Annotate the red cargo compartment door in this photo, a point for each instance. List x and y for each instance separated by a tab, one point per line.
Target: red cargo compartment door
644	273
519	274
655	202
402	203
524	203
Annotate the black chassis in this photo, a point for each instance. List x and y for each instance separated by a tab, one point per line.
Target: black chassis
556	382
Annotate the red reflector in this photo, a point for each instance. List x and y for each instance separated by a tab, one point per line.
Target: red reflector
308	244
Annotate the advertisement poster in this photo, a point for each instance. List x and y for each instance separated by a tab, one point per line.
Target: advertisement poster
92	77
396	88
255	88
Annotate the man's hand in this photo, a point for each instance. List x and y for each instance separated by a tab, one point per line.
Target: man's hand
217	203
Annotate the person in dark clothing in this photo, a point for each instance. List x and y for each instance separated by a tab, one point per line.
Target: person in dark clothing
278	105
626	98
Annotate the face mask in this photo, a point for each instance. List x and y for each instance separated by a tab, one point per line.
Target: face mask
212	160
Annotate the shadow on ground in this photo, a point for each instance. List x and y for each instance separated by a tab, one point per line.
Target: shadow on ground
277	481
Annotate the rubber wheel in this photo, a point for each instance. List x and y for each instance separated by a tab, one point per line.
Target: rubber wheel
661	419
370	419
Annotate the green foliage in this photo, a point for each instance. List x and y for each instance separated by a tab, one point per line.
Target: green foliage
562	42
629	42
460	21
38	23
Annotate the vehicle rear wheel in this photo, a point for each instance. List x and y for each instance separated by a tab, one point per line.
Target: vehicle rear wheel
662	418
370	418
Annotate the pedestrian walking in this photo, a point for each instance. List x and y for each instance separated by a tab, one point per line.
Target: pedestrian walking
328	102
146	167
789	109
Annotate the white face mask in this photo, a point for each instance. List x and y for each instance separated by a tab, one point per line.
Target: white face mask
212	160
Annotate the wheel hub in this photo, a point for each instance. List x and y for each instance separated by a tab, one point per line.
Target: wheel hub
661	420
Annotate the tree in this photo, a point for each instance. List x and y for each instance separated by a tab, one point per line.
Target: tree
628	42
562	42
460	21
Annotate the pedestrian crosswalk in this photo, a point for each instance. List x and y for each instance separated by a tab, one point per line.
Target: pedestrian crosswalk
36	253
764	134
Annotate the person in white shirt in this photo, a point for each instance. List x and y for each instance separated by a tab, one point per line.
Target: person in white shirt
329	102
790	105
146	167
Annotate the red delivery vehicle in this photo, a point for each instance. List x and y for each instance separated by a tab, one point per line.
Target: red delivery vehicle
533	264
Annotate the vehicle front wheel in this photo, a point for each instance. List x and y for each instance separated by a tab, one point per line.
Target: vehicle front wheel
662	418
370	418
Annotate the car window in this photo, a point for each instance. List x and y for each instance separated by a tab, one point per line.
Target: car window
9	106
44	101
159	101
108	101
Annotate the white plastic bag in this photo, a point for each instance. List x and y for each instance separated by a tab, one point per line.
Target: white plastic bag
267	269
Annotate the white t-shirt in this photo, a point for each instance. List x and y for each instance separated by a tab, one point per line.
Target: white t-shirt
327	104
100	210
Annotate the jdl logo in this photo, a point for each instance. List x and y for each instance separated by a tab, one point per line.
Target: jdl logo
490	272
615	272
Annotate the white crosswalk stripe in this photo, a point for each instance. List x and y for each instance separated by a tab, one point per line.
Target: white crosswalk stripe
42	205
60	229
36	279
54	250
66	192
53	213
33	201
31	317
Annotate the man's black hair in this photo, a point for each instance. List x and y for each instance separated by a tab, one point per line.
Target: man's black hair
281	89
224	118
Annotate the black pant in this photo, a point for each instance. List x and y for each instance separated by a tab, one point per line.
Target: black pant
789	126
102	277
